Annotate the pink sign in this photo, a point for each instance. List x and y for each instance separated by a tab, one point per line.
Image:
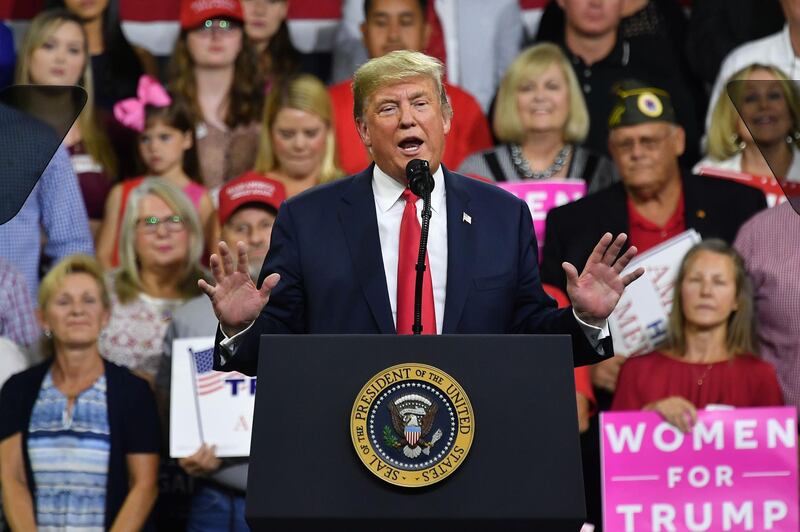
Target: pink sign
736	470
541	196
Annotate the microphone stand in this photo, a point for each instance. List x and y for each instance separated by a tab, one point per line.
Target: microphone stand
416	328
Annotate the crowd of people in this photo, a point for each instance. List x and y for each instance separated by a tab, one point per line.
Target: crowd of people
106	262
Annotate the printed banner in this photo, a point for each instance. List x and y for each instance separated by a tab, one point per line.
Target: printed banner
208	406
639	321
736	470
541	196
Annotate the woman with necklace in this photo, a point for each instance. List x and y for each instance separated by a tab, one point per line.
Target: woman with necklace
710	356
79	435
541	118
160	245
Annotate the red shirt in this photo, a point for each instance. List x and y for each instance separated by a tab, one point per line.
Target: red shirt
645	234
745	381
469	131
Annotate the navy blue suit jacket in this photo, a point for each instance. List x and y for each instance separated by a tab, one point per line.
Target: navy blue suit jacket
326	247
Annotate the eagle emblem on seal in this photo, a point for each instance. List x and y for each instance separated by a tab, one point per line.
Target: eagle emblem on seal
413	416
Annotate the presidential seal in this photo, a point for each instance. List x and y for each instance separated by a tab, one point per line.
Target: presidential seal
412	425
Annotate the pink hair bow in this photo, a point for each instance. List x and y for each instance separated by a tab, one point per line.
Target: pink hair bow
130	111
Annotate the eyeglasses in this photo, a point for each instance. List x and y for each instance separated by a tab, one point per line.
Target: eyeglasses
221	25
149	224
649	144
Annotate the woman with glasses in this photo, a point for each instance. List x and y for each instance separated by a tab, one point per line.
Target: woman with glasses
213	73
160	246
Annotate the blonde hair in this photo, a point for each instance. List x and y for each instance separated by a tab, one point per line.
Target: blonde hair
305	93
127	282
741	334
54	280
530	64
722	133
93	137
393	68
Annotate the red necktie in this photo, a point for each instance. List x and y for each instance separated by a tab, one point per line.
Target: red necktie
406	274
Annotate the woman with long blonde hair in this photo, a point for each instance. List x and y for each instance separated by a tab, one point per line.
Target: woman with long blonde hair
297	145
55	52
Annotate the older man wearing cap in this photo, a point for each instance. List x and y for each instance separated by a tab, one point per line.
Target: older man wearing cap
248	206
655	200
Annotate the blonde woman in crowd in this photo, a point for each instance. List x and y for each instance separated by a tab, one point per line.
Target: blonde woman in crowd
79	435
160	246
763	141
297	146
56	52
541	119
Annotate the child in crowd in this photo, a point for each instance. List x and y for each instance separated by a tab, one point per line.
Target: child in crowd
167	150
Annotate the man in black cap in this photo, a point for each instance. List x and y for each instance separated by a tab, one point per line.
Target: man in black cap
653	202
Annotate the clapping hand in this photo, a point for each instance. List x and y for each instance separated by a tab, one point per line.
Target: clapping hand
236	300
595	292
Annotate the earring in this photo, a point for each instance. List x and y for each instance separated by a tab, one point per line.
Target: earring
738	142
48	333
793	137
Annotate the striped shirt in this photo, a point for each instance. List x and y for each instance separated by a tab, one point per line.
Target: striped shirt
69	452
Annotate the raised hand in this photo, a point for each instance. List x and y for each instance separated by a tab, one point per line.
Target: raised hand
595	292
236	300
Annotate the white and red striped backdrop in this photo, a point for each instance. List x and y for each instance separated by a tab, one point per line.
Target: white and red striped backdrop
152	23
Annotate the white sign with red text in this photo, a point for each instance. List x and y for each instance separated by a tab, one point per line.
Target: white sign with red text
207	406
639	322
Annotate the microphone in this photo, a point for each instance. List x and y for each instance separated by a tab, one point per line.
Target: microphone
418	175
420	181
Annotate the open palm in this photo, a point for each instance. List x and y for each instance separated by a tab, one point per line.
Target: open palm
595	292
236	300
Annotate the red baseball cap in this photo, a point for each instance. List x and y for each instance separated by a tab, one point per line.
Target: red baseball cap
195	12
250	187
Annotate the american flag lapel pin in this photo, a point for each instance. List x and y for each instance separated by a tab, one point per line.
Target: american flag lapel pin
466	218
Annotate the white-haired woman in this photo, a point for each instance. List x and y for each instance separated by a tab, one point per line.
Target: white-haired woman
160	246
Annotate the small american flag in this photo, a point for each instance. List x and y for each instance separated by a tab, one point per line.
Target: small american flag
206	379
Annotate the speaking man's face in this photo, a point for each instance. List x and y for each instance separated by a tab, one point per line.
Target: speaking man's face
404	121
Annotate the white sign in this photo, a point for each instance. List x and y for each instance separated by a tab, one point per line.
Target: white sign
639	322
207	406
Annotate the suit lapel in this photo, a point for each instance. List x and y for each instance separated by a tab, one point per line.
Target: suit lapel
360	226
460	251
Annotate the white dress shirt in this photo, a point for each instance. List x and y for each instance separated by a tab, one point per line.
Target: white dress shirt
389	207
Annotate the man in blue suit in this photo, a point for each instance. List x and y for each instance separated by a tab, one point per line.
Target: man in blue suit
333	262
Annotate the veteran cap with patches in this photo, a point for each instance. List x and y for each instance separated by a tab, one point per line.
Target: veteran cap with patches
637	103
